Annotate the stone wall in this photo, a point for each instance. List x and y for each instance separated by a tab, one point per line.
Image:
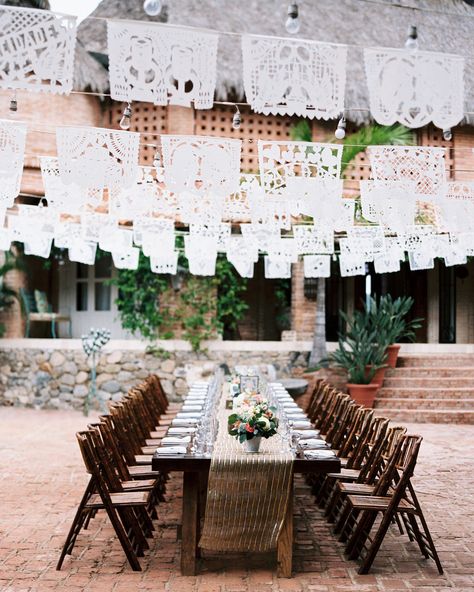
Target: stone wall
55	374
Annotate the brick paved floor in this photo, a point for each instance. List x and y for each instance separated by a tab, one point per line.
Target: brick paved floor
42	478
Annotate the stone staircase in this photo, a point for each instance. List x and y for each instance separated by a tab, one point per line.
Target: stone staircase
429	388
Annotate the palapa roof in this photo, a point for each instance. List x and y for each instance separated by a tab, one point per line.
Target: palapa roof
446	26
89	74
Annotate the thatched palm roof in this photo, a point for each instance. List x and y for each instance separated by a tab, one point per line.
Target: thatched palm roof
343	21
89	74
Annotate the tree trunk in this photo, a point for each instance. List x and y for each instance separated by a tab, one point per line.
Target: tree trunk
318	350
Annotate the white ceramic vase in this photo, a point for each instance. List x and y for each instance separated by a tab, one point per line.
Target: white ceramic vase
253	445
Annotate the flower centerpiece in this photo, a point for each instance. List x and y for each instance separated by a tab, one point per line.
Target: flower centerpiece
252	420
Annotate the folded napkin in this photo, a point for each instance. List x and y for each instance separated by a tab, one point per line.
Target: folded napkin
184	422
296	415
191	408
176	431
319	454
188	415
175	440
171	450
304	434
311	444
302	424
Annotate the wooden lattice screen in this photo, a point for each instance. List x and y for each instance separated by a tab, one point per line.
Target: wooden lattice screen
147	119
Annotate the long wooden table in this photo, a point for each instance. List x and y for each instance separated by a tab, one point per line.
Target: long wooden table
195	471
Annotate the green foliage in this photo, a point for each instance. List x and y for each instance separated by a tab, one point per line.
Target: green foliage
204	306
198	312
230	290
374	135
388	318
362	350
301	131
359	351
157	352
283	304
7	295
138	299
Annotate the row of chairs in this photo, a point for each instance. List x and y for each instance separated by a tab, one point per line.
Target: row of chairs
374	488
117	453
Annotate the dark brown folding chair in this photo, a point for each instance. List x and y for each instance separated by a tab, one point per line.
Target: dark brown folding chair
126	510
393	495
363	480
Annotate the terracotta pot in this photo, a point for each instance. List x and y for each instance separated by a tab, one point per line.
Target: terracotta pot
392	355
363	394
378	377
253	445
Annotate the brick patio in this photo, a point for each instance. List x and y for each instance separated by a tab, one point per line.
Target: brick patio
42	479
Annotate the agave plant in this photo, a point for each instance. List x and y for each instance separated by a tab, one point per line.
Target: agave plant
359	351
388	318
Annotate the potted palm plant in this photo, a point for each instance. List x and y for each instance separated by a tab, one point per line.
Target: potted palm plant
361	355
388	318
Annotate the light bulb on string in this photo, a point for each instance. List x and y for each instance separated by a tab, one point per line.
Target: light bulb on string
13	105
237	119
447	134
292	23
152	7
126	120
157	160
340	132
412	40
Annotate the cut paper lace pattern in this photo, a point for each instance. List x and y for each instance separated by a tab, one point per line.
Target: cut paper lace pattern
37	50
389	203
279	161
424	166
317	266
200	165
415	87
68	199
96	158
294	77
160	64
311	239
12	153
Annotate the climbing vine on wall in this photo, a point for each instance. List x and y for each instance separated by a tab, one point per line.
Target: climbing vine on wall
201	308
138	299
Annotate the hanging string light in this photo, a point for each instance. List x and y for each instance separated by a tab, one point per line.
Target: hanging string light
340	132
237	119
126	120
448	134
13	104
157	160
412	40
152	7
292	23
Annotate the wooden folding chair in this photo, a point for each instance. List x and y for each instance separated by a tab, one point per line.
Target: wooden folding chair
390	501
364	480
363	456
352	443
119	505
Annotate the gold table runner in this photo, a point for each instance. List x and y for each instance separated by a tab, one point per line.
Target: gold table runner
247	493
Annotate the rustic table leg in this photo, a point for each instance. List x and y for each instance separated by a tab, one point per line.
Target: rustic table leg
190	524
285	541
